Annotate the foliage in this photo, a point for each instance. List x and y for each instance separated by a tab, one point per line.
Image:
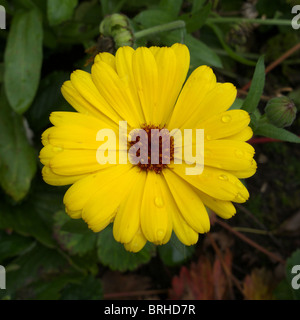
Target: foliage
49	256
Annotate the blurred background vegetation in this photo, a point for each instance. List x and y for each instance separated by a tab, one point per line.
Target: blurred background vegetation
49	256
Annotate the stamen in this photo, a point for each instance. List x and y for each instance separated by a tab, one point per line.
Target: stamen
166	155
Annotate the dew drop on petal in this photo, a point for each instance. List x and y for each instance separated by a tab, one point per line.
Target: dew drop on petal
57	149
208	137
159	202
223	177
239	153
160	234
226	118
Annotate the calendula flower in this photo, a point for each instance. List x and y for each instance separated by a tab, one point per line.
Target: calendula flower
146	201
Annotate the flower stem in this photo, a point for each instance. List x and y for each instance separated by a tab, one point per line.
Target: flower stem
278	22
178	24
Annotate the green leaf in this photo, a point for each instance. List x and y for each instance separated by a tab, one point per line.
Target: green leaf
174	252
1	72
90	288
112	253
153	17
194	21
197	5
77	226
12	245
59	11
171	6
17	158
48	99
88	12
23	59
292	261
52	287
201	53
237	104
27	268
73	242
24	220
283	291
257	87
270	131
111	6
229	51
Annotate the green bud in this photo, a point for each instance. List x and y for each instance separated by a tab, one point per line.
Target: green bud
281	111
117	26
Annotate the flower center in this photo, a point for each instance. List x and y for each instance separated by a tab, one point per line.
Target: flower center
153	147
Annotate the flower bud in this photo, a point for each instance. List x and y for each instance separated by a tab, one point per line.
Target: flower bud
281	111
118	27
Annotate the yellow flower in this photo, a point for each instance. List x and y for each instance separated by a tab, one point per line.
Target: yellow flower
145	87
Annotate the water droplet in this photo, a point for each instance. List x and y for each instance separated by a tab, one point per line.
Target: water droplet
226	118
239	153
208	137
223	177
159	202
57	149
160	234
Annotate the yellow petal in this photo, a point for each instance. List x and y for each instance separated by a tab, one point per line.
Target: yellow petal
189	204
137	243
244	135
228	154
198	85
115	92
45	136
74	137
73	214
77	137
224	209
224	124
75	162
127	220
124	56
218	100
102	206
107	58
83	83
183	60
217	183
60	119
184	232
145	74
156	209
57	180
170	79
246	173
78	194
77	101
47	153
